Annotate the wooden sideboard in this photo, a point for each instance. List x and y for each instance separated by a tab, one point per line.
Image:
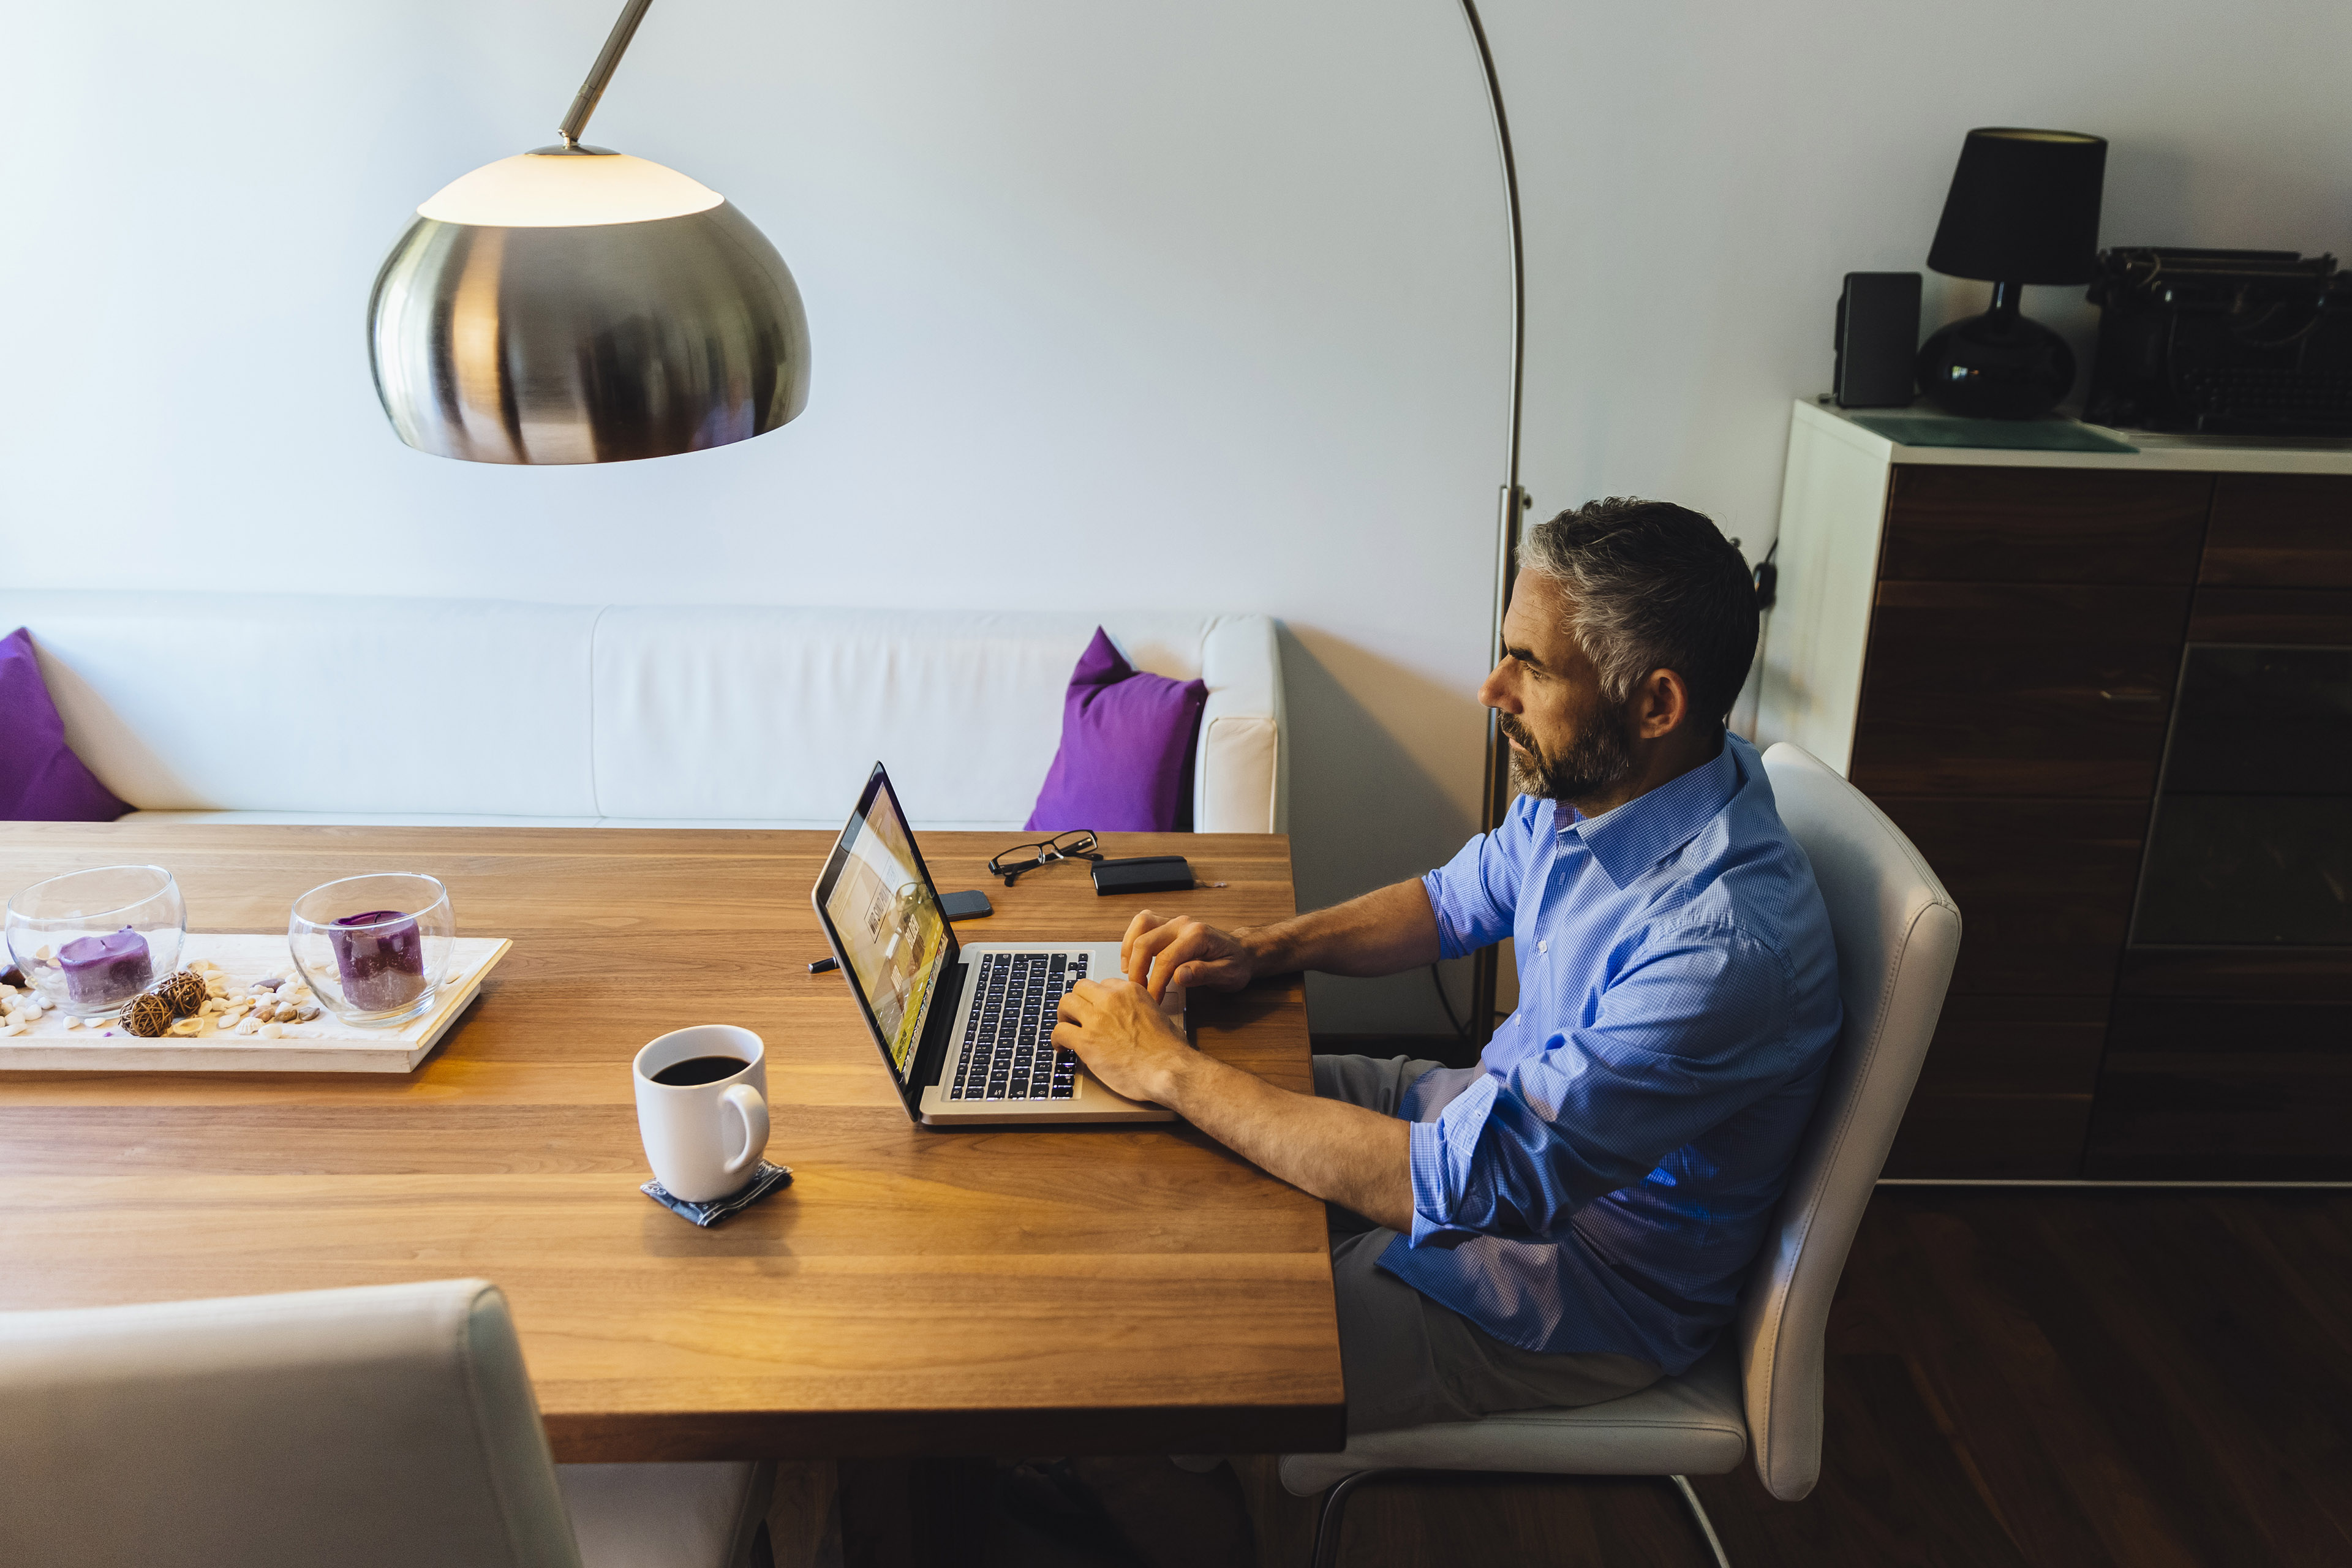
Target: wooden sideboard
1991	645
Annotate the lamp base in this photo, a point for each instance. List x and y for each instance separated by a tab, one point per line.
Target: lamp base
1999	366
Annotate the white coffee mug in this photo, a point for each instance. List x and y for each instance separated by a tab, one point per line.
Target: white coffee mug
703	1139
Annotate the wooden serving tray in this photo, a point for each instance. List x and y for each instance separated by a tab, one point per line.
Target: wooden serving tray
324	1044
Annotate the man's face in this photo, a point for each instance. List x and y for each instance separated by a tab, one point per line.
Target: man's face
1568	743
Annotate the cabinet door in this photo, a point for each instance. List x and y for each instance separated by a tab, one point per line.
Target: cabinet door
2227	1064
2017	688
1949	524
2044	888
2280	531
2006	1091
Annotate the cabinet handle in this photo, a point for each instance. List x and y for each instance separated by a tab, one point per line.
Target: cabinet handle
2132	696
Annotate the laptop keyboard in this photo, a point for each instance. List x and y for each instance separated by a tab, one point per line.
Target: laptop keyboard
1008	1045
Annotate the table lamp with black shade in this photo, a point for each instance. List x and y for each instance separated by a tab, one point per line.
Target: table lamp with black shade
2023	208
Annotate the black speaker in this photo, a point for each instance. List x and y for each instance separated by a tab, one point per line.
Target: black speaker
1877	339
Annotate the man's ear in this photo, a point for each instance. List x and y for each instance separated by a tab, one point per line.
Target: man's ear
1661	704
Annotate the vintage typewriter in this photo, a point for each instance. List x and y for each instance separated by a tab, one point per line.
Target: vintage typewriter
2238	343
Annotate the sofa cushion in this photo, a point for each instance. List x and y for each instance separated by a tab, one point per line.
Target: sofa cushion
41	780
1126	739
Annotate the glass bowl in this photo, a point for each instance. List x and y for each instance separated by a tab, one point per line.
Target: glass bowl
90	941
373	949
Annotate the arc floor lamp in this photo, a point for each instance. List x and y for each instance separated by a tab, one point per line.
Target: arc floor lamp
575	305
1495	798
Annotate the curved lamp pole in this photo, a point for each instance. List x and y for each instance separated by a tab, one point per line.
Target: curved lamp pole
724	344
1496	797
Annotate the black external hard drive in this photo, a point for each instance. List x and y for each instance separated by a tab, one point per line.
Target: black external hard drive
1143	874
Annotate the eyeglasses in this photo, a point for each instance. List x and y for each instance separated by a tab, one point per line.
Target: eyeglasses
1074	845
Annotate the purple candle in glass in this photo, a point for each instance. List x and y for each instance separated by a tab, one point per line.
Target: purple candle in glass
381	967
102	970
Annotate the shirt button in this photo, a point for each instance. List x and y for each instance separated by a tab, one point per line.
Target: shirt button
1544	946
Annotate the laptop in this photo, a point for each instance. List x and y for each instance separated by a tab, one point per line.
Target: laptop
966	1031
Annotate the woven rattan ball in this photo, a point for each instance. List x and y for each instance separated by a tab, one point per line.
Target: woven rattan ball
147	1015
183	992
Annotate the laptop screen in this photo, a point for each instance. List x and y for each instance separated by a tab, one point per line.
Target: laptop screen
886	921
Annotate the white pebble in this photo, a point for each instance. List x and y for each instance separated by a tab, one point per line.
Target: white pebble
72	1022
271	1031
13	1026
31	1011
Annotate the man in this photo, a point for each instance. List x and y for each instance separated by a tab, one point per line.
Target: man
1573	1217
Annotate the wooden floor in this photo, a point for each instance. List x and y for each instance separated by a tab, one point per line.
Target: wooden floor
2046	1377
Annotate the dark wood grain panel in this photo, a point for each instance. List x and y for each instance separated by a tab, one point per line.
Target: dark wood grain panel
2005	1093
1958	525
2281	530
2017	690
2224	1088
1990	1137
2297	617
2254	974
910	1292
2045	887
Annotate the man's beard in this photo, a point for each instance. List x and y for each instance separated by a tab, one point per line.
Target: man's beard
1596	761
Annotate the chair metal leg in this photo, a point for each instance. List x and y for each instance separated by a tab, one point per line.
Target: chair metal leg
1705	1525
1334	1504
1335	1508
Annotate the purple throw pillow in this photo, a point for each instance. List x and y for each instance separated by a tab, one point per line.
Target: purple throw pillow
1126	747
40	778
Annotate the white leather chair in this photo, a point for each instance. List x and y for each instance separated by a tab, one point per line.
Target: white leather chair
1897	934
390	1427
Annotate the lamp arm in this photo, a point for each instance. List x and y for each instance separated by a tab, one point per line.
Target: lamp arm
608	59
1496	794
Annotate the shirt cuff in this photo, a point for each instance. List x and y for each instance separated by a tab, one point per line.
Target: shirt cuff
1441	1154
1449	940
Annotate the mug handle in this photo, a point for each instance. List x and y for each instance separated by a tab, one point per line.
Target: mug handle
754	1112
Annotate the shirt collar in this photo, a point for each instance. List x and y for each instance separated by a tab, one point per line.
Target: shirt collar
1636	836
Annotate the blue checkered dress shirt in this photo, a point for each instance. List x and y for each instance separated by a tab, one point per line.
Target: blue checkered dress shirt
1602	1179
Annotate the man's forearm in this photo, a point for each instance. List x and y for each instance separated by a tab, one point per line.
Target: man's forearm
1386	932
1343	1153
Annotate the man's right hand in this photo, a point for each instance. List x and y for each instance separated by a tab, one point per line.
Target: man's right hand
1157	954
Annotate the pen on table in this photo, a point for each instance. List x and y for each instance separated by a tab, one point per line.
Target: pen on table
824	965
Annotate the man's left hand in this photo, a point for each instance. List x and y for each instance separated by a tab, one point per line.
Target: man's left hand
1124	1039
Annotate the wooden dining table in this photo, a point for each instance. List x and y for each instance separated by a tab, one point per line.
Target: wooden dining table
1094	1289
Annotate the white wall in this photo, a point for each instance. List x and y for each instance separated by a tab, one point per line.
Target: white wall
1134	304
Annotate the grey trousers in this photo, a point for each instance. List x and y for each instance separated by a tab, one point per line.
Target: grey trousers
1408	1360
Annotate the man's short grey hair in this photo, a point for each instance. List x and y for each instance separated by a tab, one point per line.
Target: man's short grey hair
1651	586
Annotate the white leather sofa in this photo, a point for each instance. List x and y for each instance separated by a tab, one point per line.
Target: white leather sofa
207	707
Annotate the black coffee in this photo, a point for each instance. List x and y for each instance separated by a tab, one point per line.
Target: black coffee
700	1069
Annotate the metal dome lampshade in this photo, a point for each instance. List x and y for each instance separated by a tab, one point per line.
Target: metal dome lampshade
574	305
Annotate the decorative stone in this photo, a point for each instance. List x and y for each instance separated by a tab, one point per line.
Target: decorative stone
11	976
183	992
146	1016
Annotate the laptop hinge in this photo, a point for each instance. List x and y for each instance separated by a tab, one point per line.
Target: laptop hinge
938	1024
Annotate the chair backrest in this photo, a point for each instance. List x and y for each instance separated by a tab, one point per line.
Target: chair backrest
1897	934
387	1426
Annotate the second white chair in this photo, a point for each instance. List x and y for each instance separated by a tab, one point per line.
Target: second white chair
389	1427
